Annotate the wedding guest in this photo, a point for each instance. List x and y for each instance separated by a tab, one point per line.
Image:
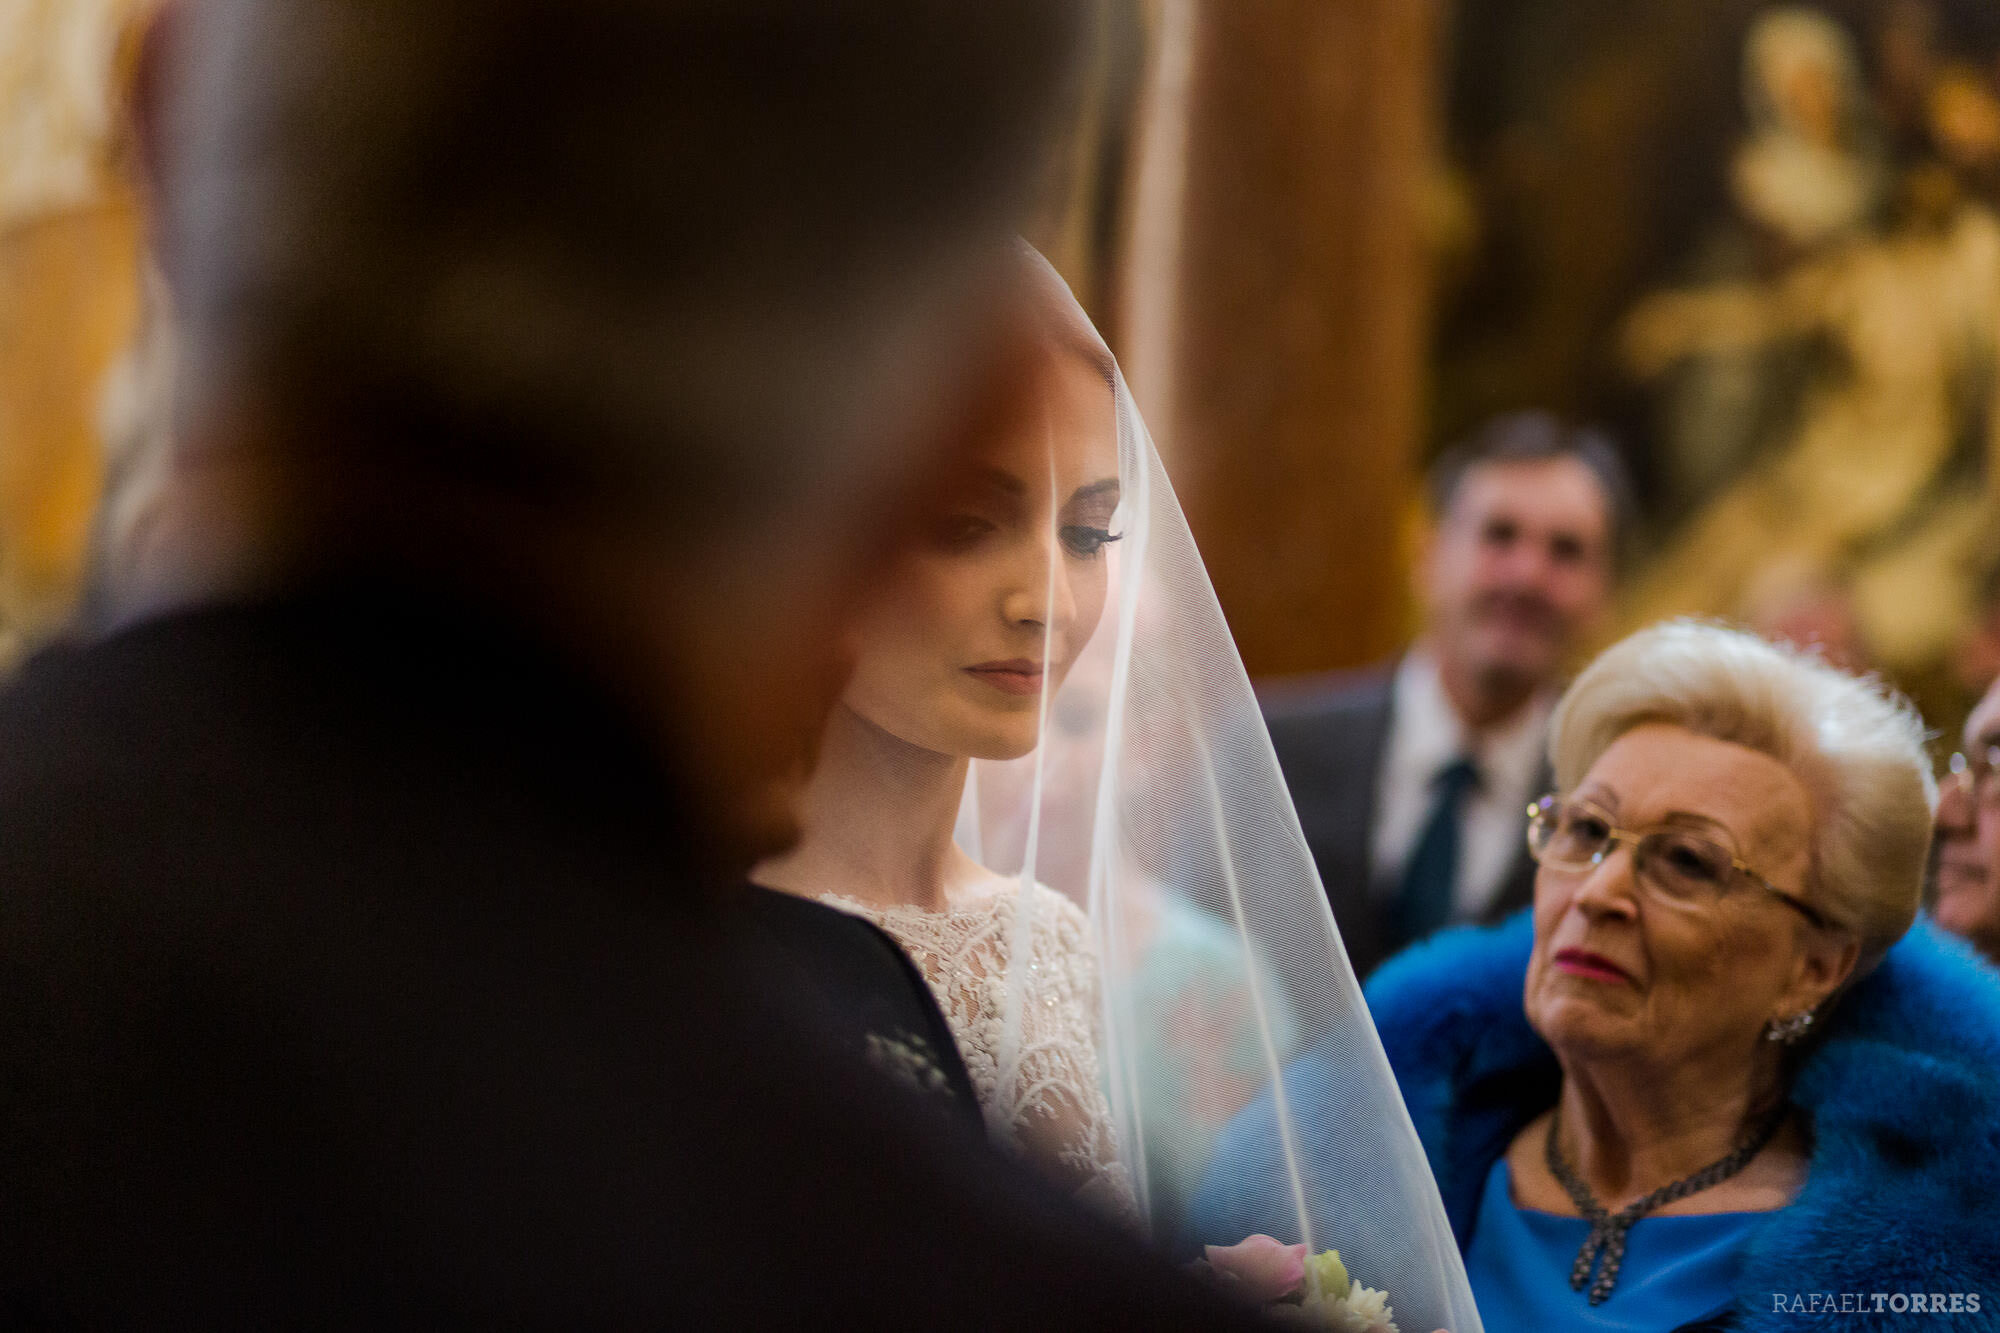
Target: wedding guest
373	946
1968	833
1410	777
1715	1068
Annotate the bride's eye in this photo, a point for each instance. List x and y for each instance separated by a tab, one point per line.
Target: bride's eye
956	532
1084	542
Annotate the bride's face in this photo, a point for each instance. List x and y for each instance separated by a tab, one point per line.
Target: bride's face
950	656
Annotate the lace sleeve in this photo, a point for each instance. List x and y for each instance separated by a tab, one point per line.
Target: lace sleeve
1050	1106
1056	1108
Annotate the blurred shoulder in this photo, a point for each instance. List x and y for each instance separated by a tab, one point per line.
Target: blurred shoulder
149	704
793	921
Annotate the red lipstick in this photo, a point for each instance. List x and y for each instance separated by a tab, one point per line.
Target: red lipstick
1590	966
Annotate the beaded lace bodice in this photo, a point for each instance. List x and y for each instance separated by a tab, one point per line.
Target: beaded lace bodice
1050	1107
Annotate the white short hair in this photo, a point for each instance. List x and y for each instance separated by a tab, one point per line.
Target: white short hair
1856	745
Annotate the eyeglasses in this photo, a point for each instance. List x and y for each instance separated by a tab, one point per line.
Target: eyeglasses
1677	866
1972	775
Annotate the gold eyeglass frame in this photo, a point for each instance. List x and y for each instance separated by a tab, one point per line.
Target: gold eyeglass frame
1543	808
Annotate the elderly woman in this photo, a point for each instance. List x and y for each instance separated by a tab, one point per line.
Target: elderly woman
1714	1079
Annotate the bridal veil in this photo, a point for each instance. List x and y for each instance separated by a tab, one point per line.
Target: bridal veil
1153	800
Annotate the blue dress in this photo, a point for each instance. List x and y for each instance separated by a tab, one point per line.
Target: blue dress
1676	1269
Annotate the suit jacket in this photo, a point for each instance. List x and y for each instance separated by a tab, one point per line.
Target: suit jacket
358	972
1332	738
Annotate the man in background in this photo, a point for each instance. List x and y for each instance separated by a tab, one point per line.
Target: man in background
1968	833
1412	778
372	949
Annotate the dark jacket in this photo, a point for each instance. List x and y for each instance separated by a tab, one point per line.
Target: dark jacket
1332	736
879	1006
357	971
1901	1095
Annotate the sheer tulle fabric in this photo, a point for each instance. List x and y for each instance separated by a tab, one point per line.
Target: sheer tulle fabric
1154	802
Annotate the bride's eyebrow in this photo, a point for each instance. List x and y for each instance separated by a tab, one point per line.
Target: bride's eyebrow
1108	486
1006	483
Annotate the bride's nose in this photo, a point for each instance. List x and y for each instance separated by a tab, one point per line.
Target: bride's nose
1038	595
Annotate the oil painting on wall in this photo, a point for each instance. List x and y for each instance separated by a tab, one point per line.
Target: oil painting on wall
1762	243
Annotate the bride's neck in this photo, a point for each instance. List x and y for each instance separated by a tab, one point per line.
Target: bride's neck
878	819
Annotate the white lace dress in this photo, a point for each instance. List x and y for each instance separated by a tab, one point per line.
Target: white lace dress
1051	1109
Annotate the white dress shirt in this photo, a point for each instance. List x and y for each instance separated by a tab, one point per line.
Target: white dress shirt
1425	735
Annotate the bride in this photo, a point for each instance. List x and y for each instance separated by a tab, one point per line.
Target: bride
1049	780
953	661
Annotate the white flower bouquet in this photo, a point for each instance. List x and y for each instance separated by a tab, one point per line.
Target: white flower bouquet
1312	1292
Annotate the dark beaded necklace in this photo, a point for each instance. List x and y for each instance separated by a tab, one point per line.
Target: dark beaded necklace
1607	1232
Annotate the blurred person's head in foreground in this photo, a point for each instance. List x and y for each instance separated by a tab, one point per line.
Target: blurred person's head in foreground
642	322
1527	515
1968	832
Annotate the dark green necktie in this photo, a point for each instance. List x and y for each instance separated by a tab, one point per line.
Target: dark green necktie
1423	902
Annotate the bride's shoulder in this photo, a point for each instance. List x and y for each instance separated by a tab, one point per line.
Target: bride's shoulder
1054	911
978	910
1061	911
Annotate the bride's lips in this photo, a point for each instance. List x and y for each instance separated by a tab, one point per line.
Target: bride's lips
1590	966
1016	675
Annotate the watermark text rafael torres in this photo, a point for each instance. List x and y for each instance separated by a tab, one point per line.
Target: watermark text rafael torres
1875	1302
